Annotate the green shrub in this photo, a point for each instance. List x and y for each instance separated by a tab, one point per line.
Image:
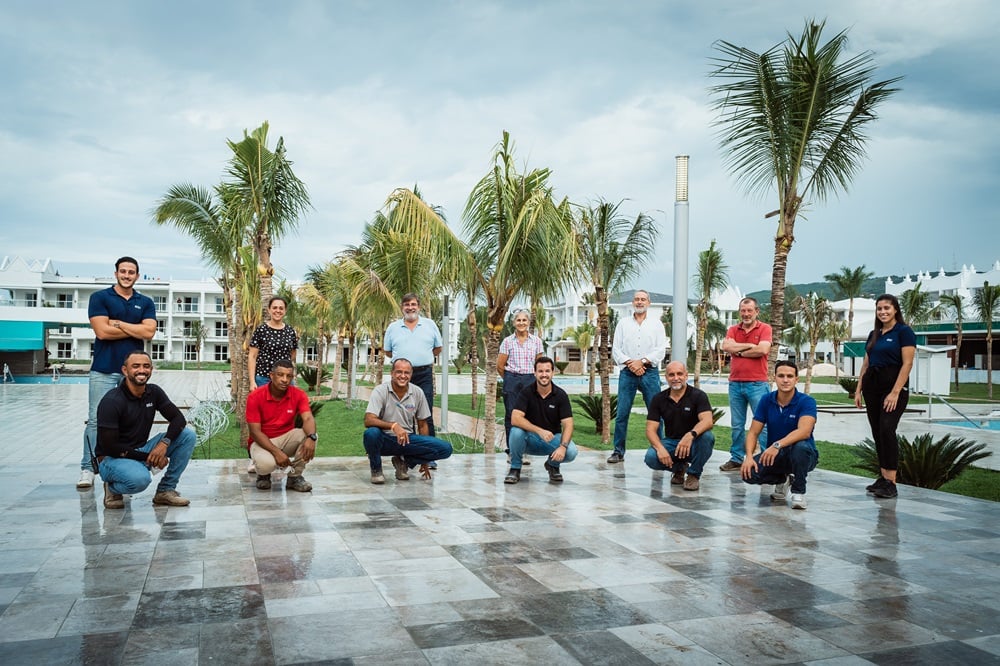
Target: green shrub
591	406
925	463
849	384
717	414
307	373
561	365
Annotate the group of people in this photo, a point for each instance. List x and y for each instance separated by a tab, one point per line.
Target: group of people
538	415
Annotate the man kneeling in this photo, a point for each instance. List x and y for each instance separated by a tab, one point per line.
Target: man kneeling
791	453
541	424
126	455
271	412
396	425
686	415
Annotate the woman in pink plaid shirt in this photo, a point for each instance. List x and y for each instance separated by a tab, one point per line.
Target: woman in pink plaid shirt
516	363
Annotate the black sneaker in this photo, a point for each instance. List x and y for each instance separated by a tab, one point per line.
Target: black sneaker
513	476
263	482
616	458
886	491
555	476
877	484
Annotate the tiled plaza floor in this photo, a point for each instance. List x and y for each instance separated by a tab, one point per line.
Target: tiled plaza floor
614	566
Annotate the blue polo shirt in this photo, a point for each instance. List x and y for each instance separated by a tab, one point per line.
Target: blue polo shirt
110	354
416	346
781	421
887	352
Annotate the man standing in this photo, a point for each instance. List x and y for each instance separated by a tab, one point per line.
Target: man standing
748	344
639	346
541	424
396	425
418	340
791	452
684	414
126	454
122	319
271	412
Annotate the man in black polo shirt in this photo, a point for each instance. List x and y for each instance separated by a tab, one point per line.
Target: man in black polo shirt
686	415
541	424
127	457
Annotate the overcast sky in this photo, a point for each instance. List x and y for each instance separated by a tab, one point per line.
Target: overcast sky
107	104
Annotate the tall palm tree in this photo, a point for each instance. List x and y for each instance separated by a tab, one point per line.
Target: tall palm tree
956	303
986	302
815	313
711	277
265	196
837	332
795	336
794	118
613	250
917	306
848	283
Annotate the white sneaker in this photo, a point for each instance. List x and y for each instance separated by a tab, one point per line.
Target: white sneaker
798	501
780	490
251	468
86	479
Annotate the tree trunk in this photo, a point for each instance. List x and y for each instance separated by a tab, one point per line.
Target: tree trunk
601	299
262	247
471	320
350	370
782	246
812	361
958	354
337	354
699	344
592	355
989	363
492	351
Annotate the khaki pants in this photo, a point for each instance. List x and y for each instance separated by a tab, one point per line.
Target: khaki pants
289	443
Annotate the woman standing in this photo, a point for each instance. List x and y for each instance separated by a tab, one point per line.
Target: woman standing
884	387
274	340
516	364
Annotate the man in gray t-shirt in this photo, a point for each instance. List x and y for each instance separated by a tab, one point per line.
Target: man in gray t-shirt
396	425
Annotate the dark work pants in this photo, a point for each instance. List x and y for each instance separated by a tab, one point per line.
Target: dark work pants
875	386
424	380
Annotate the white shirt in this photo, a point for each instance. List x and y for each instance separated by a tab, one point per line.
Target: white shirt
634	340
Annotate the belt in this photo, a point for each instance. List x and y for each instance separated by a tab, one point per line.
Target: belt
423	367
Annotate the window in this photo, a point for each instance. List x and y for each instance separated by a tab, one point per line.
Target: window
187	304
64	350
188	325
221	329
573	354
65	330
310	354
220	305
31	300
161	326
222	353
160	302
158	351
64	300
190	352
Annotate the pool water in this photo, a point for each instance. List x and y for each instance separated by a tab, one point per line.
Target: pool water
984	424
47	379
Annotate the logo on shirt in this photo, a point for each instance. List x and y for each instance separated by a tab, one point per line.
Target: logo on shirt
149	404
687	409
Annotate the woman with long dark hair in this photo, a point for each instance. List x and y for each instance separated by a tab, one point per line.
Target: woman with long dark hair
883	387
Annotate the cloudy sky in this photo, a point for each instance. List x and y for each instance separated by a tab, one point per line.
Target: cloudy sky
107	104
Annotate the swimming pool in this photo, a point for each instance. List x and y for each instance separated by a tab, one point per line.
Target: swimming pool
47	379
984	424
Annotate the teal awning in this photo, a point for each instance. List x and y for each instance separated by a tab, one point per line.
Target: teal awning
22	335
854	350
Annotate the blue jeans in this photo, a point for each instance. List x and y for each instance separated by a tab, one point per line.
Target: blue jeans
422	449
424	380
798	459
260	380
741	396
100	384
125	476
701	451
522	441
628	383
512	385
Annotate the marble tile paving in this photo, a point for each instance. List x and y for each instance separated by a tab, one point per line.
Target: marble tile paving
614	566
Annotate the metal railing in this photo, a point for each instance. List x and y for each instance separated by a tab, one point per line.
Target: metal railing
930	402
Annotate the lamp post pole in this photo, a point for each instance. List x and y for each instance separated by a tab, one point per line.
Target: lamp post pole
678	333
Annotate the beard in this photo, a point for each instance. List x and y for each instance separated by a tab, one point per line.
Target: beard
639	309
411	316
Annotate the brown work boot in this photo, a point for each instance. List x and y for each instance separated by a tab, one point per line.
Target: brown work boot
401	472
692	483
112	500
170	498
678	478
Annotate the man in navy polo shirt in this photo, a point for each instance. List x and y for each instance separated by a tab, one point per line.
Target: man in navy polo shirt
791	452
684	415
122	319
418	340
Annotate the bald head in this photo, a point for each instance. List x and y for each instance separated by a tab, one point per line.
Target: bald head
677	375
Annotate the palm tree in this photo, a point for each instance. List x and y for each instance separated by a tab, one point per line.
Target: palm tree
320	312
794	118
837	332
848	283
956	303
198	332
815	313
712	277
265	196
917	306
613	250
986	301
795	336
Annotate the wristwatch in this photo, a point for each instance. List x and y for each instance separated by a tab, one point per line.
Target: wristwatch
776	445
314	437
694	434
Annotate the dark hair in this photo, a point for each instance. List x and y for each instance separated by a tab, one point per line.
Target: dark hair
127	260
544	359
283	363
401	360
277	298
410	297
141	352
786	364
872	339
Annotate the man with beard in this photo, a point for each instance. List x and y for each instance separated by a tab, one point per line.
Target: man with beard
418	340
684	414
270	414
126	455
122	319
748	344
396	425
640	344
541	425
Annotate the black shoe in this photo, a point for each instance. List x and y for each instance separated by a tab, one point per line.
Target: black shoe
616	458
264	482
878	484
554	475
513	476
886	491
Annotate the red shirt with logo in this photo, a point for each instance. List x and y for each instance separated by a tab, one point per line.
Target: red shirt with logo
276	417
749	369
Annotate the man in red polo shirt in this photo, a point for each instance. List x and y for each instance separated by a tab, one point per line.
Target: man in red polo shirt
271	412
748	344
